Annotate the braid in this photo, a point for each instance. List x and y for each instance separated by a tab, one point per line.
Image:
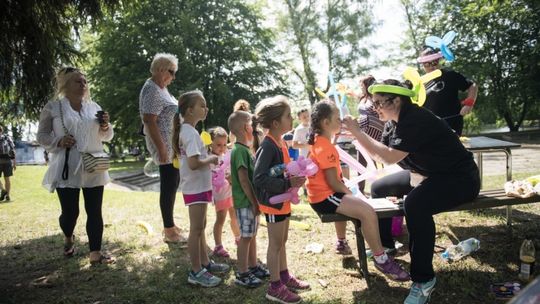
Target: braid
321	111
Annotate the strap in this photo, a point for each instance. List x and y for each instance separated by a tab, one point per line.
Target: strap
65	169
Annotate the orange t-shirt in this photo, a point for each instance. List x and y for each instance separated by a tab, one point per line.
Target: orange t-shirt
324	154
286	209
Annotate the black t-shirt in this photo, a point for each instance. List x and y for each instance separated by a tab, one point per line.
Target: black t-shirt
433	147
442	93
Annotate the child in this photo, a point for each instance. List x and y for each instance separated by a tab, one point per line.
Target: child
245	202
223	199
274	114
328	194
301	133
196	185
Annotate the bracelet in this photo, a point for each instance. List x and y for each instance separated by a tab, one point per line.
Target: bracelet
468	102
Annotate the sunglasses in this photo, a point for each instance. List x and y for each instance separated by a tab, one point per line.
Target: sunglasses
172	72
379	104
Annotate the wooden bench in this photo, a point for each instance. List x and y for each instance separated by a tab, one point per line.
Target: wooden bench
486	199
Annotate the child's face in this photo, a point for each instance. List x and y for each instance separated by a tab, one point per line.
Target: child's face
333	123
284	124
199	109
219	145
248	127
304	118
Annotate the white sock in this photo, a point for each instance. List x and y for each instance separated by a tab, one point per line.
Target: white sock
381	259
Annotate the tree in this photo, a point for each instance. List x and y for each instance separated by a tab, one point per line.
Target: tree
221	47
497	46
37	37
339	25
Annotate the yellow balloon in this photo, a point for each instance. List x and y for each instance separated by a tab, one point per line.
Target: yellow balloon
323	95
430	76
412	75
206	138
176	163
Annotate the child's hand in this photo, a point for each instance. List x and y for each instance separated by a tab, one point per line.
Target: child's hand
213	159
297	181
255	209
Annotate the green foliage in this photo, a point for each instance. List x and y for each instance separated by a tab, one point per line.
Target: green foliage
37	37
497	46
221	47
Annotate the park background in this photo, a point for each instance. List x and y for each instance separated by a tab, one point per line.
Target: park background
251	49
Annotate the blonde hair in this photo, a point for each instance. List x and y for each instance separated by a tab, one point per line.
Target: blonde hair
63	77
237	120
163	61
185	101
242	105
216	132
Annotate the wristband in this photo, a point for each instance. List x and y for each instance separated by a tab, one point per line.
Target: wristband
468	102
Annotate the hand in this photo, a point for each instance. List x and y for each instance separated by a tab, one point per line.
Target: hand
67	141
465	110
213	159
14	166
297	181
255	209
350	123
163	156
104	126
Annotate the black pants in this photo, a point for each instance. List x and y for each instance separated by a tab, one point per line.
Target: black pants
169	178
433	195
93	199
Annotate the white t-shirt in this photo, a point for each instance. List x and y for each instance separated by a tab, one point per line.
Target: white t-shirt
193	181
301	135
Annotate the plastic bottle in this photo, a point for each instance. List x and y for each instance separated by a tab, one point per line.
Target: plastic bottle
460	250
277	170
527	257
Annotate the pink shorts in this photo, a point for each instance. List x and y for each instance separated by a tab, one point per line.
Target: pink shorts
224	204
198	198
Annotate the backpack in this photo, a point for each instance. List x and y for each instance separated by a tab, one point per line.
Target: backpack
6	147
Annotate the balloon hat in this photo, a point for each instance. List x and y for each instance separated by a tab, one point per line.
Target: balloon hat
442	44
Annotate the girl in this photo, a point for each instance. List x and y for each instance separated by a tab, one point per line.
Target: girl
274	114
196	185
328	194
439	174
223	201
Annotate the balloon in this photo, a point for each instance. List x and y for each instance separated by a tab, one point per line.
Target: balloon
301	167
334	92
419	89
150	169
323	95
219	179
206	138
176	163
442	44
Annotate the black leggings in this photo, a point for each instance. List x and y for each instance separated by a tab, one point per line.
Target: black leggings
169	178
433	195
93	199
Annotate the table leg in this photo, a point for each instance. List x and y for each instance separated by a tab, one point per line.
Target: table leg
362	258
479	160
508	153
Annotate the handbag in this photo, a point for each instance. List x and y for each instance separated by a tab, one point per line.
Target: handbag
91	163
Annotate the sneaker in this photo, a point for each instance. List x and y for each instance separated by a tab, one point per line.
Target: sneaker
216	267
420	292
260	272
342	247
393	270
247	279
220	251
3	195
282	295
295	283
8	198
203	278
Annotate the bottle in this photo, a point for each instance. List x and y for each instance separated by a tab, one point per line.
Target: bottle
460	250
527	257
277	170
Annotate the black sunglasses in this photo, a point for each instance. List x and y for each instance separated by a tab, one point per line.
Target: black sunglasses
379	104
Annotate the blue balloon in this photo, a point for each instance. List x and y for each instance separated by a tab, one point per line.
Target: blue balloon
442	44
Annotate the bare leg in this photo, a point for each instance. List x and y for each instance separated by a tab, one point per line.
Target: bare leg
234	223
275	244
244	253
252	256
341	228
197	217
221	215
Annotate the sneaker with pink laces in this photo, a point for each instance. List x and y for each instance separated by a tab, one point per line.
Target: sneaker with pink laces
393	270
295	283
282	295
220	252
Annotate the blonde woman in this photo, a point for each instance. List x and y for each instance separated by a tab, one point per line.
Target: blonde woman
70	125
157	108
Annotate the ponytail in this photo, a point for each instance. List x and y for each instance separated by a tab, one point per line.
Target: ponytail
177	125
256	133
321	111
311	137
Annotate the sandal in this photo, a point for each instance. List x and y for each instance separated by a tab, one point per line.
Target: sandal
69	248
103	259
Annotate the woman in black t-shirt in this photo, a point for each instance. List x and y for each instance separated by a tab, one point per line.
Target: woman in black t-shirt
439	174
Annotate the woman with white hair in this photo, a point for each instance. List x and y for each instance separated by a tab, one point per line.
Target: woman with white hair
157	108
71	127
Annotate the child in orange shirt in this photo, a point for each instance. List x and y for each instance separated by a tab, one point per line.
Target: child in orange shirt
328	194
274	114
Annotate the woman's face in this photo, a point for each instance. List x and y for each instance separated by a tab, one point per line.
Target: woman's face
76	85
385	107
168	75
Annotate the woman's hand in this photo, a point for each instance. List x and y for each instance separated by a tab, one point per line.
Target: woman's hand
104	126
67	141
351	124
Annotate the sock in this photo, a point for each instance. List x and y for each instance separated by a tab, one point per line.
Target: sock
275	284
284	276
381	258
341	241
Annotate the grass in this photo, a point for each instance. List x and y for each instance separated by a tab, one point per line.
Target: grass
32	269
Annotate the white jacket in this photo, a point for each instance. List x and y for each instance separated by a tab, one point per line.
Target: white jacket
84	127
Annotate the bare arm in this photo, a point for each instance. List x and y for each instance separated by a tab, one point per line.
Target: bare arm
472	93
150	121
194	163
298	145
245	183
331	177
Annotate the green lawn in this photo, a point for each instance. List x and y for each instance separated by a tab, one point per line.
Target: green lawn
33	270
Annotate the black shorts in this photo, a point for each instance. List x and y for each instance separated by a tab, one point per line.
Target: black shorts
329	205
6	169
276	218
